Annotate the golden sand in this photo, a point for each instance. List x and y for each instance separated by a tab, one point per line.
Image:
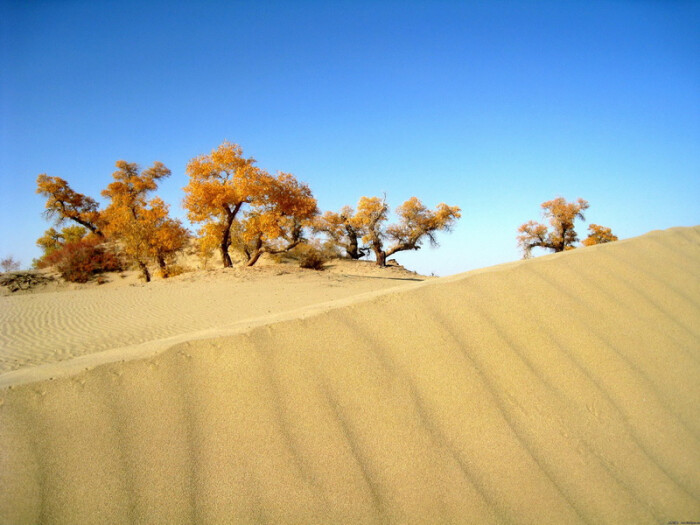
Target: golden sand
563	389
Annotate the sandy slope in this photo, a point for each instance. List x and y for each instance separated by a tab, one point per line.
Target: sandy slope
41	328
558	390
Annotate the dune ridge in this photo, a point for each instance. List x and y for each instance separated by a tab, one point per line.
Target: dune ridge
557	390
49	327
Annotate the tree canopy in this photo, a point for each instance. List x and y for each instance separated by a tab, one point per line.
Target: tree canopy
368	223
63	203
598	235
220	184
276	220
561	234
241	204
143	227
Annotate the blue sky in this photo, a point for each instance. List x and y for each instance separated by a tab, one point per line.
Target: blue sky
491	106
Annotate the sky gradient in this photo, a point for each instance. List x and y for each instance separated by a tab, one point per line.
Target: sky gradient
491	106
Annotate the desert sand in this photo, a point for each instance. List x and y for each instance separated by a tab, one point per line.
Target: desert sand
73	320
563	389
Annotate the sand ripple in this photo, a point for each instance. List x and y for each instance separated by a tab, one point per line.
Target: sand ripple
558	390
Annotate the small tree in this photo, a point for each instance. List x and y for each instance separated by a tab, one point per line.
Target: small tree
62	203
142	227
9	264
341	230
416	222
79	261
53	240
275	223
220	184
562	236
598	235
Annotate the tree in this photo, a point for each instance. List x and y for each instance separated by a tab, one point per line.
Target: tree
220	184
416	222
53	240
275	222
63	203
598	235
562	236
143	228
341	230
9	264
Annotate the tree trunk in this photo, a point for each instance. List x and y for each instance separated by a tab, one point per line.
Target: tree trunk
254	257
381	257
91	227
162	266
226	241
353	248
144	270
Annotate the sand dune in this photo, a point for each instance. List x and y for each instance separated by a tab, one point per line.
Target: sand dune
558	390
47	327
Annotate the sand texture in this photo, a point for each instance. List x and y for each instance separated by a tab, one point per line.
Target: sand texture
564	389
42	328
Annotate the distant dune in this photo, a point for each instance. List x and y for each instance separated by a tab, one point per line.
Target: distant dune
564	389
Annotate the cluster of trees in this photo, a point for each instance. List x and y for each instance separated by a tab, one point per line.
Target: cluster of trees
237	205
131	227
359	231
561	234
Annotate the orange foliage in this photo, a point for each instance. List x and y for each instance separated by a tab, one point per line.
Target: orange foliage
562	236
62	203
275	213
220	184
143	228
416	222
341	231
78	261
276	220
598	235
53	240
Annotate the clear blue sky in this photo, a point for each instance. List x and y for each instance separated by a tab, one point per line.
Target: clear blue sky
492	106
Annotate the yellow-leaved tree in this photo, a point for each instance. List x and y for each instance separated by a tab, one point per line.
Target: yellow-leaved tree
143	228
277	217
416	223
598	235
562	236
63	203
220	184
53	240
342	231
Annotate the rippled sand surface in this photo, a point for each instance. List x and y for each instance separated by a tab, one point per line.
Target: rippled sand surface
557	390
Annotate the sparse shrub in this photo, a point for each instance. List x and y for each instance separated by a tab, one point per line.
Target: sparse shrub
174	270
9	264
311	258
17	281
79	261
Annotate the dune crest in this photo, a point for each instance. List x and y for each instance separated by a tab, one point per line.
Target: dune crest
557	390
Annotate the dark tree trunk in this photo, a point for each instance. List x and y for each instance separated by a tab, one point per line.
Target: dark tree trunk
254	257
381	257
94	229
226	240
162	266
353	248
255	254
144	271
